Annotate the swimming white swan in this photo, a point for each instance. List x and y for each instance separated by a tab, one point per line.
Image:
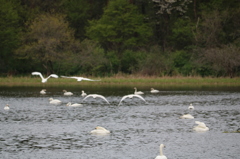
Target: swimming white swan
43	91
131	96
100	130
54	101
6	107
96	96
187	116
80	78
66	93
201	127
191	107
161	156
154	90
138	92
83	94
73	105
44	80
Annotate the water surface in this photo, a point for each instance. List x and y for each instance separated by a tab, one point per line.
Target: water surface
33	128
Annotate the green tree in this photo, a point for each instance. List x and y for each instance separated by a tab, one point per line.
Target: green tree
121	27
49	40
9	33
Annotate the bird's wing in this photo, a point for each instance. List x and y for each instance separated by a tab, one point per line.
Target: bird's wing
90	95
53	75
87	79
37	73
100	96
124	97
68	77
135	95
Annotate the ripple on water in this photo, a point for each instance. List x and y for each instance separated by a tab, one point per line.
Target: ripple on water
33	128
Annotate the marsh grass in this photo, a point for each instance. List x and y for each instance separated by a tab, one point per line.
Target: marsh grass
123	80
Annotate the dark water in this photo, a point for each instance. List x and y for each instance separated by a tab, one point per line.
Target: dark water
33	128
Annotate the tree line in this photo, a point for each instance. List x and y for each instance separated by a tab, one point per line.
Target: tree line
107	37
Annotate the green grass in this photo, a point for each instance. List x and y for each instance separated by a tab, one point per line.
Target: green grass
126	80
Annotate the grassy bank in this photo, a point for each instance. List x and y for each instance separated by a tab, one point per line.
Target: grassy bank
127	80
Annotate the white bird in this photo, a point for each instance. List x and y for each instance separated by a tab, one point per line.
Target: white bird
66	93
187	116
161	156
191	107
80	78
100	130
83	94
201	127
43	91
131	96
154	90
54	101
44	80
73	105
96	96
6	107
137	92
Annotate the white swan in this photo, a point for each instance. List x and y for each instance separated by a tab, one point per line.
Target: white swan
73	105
54	101
100	130
96	96
154	90
161	156
191	107
187	116
44	80
201	127
131	96
43	91
66	93
138	92
83	94
6	107
80	78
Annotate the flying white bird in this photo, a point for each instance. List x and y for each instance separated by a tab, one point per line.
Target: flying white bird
80	78
131	96
44	80
137	92
96	96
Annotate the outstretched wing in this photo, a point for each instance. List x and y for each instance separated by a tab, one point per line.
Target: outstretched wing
100	96
124	97
90	95
86	79
68	77
135	95
37	73
53	75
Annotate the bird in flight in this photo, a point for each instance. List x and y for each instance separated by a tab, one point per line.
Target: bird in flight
44	80
80	78
96	96
131	96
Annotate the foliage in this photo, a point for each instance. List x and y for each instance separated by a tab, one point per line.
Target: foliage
48	40
107	37
120	27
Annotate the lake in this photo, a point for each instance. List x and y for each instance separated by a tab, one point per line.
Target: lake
33	128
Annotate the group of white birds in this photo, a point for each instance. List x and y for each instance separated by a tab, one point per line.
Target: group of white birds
201	127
